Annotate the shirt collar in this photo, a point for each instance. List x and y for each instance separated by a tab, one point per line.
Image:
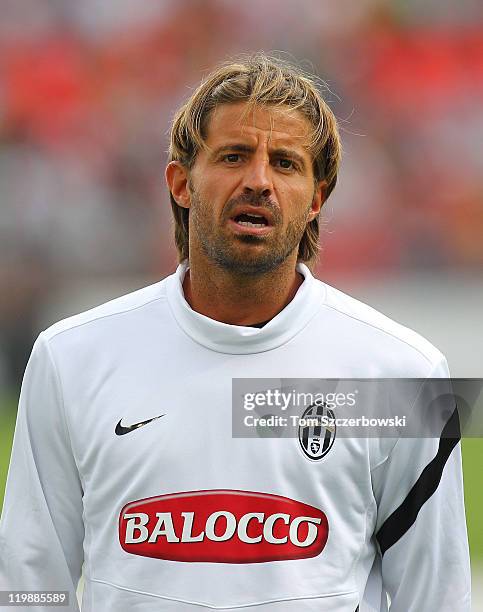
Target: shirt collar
238	339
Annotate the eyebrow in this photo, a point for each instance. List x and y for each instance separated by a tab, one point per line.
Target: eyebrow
244	148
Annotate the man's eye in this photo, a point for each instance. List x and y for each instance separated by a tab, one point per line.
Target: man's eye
286	164
232	158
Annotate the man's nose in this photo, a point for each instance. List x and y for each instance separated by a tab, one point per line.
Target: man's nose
257	177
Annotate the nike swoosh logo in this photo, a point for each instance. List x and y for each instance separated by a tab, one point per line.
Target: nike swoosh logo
120	430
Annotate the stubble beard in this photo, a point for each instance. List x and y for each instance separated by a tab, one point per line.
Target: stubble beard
223	250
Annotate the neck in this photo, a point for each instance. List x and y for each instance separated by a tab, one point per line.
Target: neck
239	299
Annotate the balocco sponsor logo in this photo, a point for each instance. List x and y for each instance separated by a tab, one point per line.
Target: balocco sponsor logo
222	526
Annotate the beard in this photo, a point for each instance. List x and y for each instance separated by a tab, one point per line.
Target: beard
228	251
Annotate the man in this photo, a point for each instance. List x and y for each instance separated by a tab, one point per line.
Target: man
123	456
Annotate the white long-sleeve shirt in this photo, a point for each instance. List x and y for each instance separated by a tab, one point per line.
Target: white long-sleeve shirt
179	515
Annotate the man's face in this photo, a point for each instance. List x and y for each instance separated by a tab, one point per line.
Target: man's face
253	193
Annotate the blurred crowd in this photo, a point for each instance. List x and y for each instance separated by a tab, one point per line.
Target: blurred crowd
88	89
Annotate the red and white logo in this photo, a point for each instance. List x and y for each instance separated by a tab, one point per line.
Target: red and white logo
222	526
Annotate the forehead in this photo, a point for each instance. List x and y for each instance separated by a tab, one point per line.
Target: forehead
279	125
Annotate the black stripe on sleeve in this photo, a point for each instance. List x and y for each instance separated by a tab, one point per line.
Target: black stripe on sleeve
403	517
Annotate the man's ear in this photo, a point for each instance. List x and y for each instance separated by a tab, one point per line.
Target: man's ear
318	199
177	180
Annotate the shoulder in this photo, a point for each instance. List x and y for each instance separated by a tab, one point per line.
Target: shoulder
115	312
379	333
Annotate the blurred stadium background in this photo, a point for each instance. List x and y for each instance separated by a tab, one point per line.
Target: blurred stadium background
87	90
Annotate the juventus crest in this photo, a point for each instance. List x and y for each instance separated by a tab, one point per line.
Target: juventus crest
316	439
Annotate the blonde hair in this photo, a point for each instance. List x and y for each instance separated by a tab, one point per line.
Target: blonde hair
257	79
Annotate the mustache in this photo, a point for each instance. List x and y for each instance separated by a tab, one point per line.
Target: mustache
254	199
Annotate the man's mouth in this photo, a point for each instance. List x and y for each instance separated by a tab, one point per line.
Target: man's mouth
251	220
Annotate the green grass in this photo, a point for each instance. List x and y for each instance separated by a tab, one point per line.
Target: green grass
7	425
472	467
473	480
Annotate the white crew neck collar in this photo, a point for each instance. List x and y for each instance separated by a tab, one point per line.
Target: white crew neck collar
238	339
